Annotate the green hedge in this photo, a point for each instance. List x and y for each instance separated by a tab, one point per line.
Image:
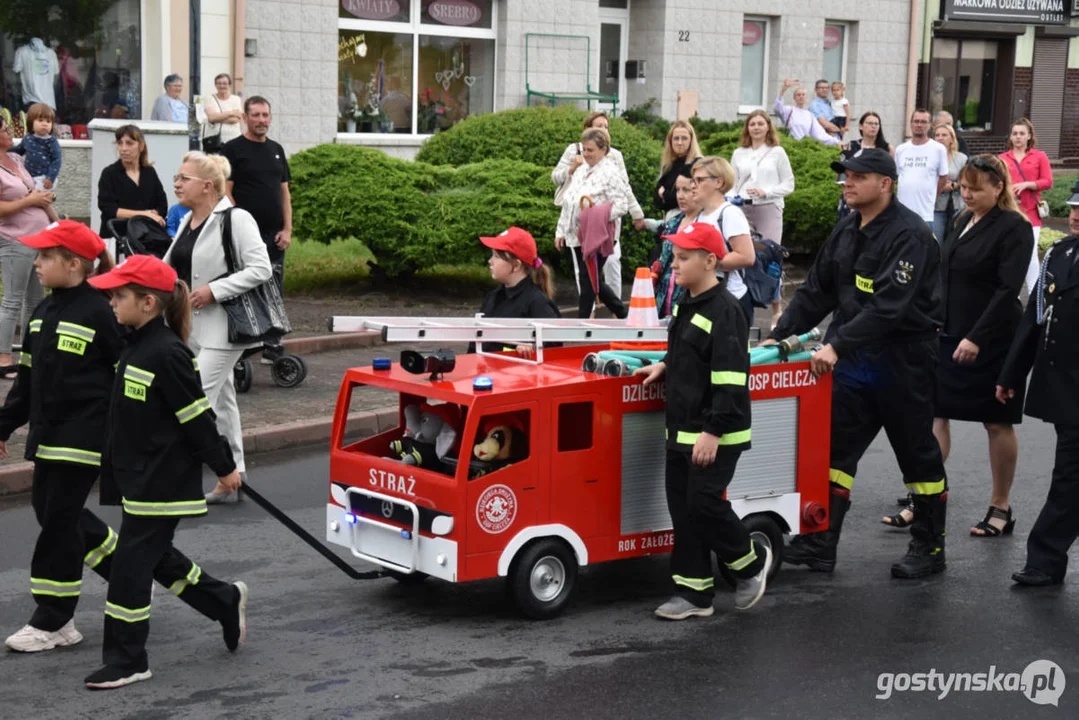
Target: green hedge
413	215
1057	196
810	211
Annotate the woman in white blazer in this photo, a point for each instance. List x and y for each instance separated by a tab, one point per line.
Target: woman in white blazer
198	256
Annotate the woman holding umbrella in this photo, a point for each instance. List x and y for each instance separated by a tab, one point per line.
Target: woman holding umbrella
599	184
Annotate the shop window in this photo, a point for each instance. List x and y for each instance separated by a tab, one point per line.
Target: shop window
375	86
414	66
574	426
84	62
754	64
456	79
962	80
835	52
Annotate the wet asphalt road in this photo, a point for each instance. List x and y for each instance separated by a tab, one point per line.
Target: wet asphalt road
323	646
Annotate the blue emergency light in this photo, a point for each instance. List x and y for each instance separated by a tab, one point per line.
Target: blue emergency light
351	518
381	363
483	383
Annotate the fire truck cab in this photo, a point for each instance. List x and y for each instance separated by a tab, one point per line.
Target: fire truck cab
586	484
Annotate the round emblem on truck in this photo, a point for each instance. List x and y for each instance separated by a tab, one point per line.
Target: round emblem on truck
496	509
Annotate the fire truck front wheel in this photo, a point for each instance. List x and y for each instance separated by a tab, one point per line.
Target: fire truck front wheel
542	578
765	530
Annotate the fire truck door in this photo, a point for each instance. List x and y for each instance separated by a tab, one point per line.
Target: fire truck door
577	471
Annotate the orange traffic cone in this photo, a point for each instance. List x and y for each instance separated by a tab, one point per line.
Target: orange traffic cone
642	311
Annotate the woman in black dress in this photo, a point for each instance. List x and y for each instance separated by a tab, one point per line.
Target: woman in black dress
983	262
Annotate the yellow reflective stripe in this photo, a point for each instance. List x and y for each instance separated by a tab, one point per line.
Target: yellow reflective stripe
745	561
79	331
35	326
694	583
841	478
732	438
25	359
138	375
127	614
926	488
195	362
725	377
192	578
56	588
702	322
82	457
102	551
674	311
863	284
193	410
186	507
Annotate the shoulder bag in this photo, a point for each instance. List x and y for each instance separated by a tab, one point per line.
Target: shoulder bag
1043	206
211	144
257	315
560	193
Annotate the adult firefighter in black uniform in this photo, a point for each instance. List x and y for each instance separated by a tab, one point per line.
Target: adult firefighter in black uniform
160	431
879	274
1048	342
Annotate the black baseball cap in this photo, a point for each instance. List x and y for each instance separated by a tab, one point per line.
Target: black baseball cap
868	160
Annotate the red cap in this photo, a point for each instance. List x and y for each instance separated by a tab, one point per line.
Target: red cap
516	241
69	234
145	270
700	236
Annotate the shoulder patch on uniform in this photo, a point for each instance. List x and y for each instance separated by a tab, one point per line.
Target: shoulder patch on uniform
904	272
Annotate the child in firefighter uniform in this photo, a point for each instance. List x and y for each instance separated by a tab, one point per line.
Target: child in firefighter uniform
65	374
160	431
879	274
1047	342
708	428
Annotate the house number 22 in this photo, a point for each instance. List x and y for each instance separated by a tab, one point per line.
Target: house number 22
683	36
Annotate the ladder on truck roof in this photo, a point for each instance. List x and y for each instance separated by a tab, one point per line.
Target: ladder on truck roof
480	329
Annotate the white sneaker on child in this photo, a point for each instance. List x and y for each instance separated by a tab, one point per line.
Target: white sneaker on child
31	639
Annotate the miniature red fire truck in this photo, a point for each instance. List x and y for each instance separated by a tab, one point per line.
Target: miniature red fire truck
588	485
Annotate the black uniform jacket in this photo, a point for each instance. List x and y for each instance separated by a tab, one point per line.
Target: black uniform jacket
65	376
523	300
982	272
161	428
881	281
708	372
1052	346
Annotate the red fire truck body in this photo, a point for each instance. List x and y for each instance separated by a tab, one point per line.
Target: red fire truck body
591	488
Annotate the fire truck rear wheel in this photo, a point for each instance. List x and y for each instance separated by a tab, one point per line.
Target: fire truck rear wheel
543	577
765	531
416	578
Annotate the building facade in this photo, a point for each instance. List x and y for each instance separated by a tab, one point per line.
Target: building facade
989	62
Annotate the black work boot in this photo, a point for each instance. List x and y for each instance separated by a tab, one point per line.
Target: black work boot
925	554
817	551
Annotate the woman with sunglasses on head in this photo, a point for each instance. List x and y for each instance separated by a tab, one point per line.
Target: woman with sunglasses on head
198	257
983	260
1030	175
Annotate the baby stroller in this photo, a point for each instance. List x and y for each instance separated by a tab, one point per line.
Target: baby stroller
143	236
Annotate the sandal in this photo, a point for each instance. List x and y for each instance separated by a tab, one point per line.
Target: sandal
906	500
900	520
989	530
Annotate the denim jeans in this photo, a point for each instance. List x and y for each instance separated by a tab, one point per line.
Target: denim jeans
22	291
941	218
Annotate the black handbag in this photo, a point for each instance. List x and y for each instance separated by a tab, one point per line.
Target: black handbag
211	144
257	315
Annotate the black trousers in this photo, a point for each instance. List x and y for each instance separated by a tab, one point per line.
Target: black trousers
890	388
145	553
704	522
588	296
1057	525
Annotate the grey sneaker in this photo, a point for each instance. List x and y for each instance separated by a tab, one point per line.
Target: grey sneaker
747	592
678	608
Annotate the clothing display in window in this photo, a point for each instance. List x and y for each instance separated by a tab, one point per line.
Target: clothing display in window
37	68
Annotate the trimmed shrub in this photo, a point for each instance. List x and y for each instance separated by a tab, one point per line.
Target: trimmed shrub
1057	196
809	213
646	118
412	215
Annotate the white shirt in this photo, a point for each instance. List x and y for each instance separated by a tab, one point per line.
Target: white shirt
767	168
734	224
37	68
229	131
920	168
840	107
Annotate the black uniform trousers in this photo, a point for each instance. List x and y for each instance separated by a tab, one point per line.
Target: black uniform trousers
588	295
704	522
1057	525
891	387
143	554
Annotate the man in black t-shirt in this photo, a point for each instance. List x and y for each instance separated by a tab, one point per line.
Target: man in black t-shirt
259	181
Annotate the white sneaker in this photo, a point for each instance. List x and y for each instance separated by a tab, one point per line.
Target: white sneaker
30	639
